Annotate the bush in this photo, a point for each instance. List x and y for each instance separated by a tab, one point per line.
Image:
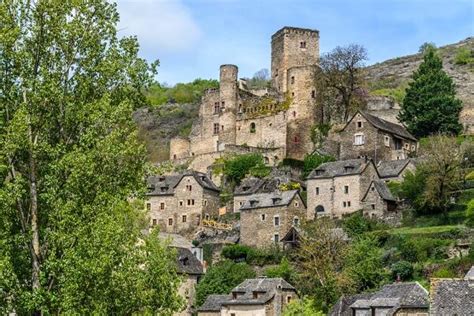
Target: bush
283	270
237	167
253	256
221	278
402	269
470	214
236	252
420	249
302	307
464	56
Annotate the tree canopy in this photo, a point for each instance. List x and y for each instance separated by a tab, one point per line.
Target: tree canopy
71	165
430	105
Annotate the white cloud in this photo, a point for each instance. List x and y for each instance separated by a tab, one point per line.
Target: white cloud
161	26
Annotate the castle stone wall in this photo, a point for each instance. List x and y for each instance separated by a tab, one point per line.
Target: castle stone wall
179	148
269	131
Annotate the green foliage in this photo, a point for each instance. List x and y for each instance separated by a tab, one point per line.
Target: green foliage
253	256
470	214
363	264
412	188
283	270
235	168
397	94
290	186
430	105
356	225
236	252
464	56
319	132
70	240
302	307
312	161
191	92
395	188
420	249
294	163
402	269
221	278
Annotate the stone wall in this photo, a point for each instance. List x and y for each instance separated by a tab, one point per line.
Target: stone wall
179	148
259	232
187	290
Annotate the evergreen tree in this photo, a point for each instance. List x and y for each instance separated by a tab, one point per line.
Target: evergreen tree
430	105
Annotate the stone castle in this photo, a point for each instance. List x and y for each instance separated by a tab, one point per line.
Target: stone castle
275	122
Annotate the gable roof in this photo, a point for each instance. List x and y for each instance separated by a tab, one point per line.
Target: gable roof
452	297
271	183
266	286
340	168
395	296
384	125
214	302
248	186
392	168
382	189
272	199
187	263
343	305
165	185
292	236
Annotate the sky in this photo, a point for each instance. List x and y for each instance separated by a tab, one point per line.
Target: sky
192	38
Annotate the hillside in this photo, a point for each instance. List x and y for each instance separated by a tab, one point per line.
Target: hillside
391	76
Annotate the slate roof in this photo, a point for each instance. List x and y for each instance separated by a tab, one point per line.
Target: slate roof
382	190
394	296
451	297
339	168
248	186
255	185
187	263
176	240
214	303
387	126
165	185
266	286
342	307
392	168
272	199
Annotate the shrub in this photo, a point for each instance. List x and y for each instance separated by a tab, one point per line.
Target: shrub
270	255
221	278
237	167
236	252
470	214
464	56
283	270
302	307
418	249
402	269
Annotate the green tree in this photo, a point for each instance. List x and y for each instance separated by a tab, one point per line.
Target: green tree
430	105
312	161
235	168
470	213
70	239
302	307
363	264
284	270
222	278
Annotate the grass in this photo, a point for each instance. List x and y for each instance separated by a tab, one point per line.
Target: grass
430	230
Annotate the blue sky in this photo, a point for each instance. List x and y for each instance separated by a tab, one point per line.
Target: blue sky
191	38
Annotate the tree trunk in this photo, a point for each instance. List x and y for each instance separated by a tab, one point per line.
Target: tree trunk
35	240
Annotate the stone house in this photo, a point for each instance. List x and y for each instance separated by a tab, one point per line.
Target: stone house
178	203
337	188
190	269
253	297
366	135
378	202
452	297
400	299
277	122
266	217
395	170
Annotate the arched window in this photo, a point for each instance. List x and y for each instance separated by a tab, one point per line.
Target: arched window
252	127
319	209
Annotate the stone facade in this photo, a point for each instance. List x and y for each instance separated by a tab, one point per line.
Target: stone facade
379	203
278	121
336	188
178	203
266	217
366	135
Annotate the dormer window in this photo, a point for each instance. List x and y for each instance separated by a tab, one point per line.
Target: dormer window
253	202
348	169
161	179
164	189
245	188
276	201
319	172
184	261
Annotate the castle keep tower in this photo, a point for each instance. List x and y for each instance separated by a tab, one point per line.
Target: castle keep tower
228	105
292	47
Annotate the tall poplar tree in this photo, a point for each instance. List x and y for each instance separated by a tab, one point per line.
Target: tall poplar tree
70	164
430	105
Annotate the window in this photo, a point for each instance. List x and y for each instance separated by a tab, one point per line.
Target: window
216	108
359	124
241	203
207	217
276	237
313	94
296	204
262	217
407	146
296	139
154	222
302	44
319	209
386	141
296	221
162	206
276	220
216	128
267	161
233	314
189	187
346	189
288	299
412	147
170	222
190	202
181	203
372	188
373	206
292	94
317	190
344	204
204	202
292	80
359	139
223	105
294	113
348	203
397	143
148	206
184	218
252	127
174	156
